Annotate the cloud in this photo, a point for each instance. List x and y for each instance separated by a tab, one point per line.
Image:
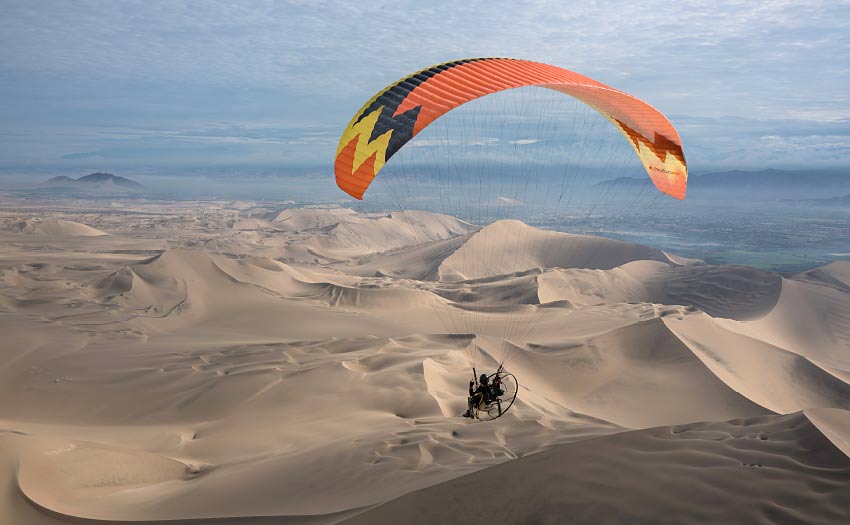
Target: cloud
749	143
504	202
457	139
83	155
718	47
176	67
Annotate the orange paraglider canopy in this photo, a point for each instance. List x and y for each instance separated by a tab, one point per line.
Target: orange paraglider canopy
397	113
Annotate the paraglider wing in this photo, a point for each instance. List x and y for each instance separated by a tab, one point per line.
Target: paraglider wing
396	114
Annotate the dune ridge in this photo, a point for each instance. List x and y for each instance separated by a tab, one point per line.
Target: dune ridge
56	227
697	473
313	372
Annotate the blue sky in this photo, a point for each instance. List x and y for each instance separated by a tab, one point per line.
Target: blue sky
120	84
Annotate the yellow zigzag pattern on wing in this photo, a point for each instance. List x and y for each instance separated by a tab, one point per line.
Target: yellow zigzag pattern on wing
365	129
365	149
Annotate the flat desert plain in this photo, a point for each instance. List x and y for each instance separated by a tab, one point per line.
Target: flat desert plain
243	363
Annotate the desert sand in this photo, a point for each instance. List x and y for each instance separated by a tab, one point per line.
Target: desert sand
245	363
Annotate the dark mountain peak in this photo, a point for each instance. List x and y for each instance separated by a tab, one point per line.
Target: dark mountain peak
626	182
61	179
834	202
99	182
102	178
98	177
775	177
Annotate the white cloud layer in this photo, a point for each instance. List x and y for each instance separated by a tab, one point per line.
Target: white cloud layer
179	66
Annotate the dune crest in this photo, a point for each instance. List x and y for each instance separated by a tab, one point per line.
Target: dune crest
508	246
57	227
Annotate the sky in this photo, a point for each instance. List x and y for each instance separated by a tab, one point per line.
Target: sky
172	85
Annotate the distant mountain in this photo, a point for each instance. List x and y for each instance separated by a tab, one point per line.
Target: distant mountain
834	202
99	182
770	179
625	182
773	178
842	201
61	179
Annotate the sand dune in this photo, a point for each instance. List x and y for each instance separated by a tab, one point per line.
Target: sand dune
760	371
297	219
730	292
219	361
58	227
772	469
502	248
836	275
317	235
642	365
509	246
809	319
419	262
391	231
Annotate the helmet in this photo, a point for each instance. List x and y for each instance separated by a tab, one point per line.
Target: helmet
483	378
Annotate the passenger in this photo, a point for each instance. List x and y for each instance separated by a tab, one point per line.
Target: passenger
477	395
